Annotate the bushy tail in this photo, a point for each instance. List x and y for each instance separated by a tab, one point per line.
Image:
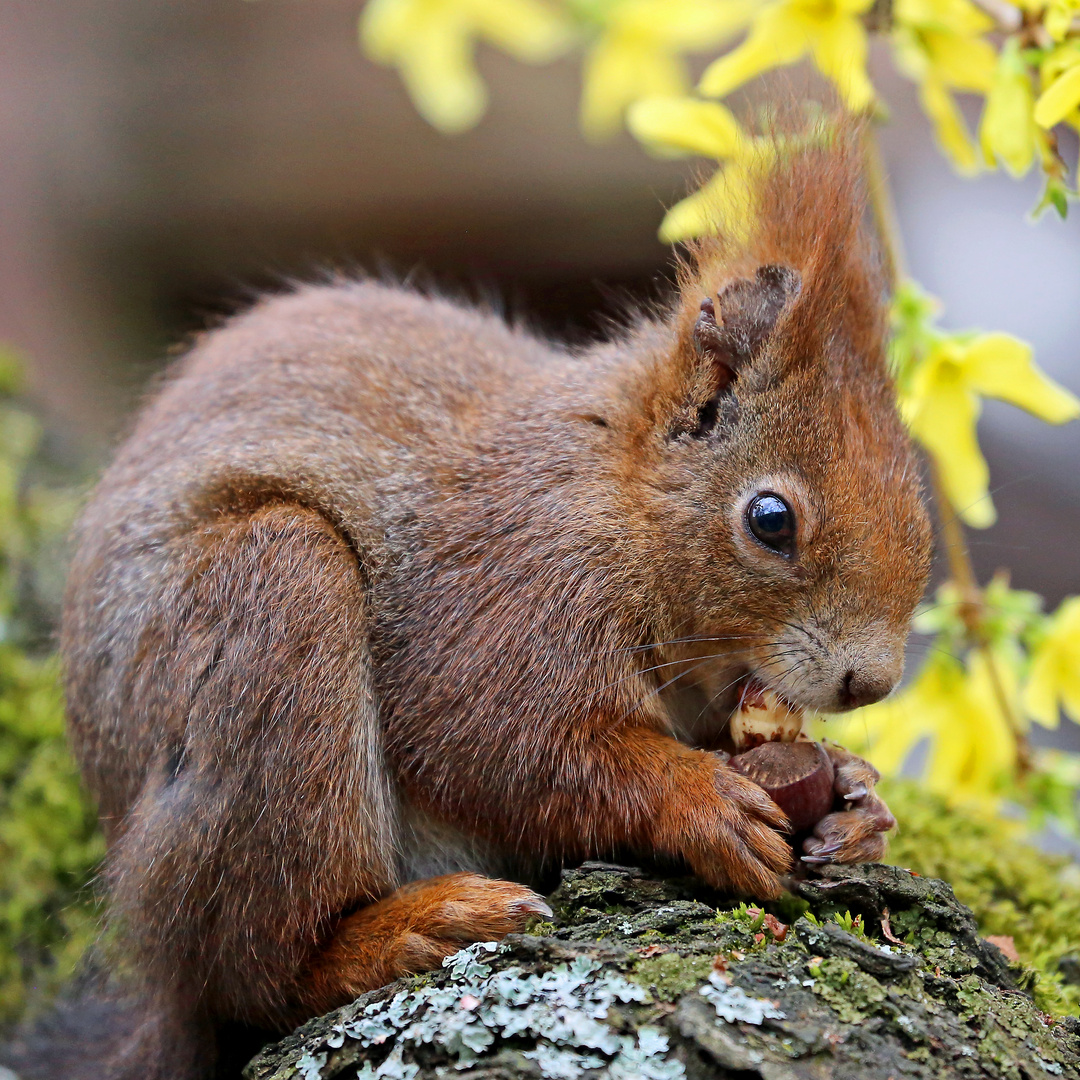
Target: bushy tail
75	1040
99	1033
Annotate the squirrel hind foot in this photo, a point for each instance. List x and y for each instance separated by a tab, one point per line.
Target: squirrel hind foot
412	930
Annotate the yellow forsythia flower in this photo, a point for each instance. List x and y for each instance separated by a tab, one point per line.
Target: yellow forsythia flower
955	708
1060	73
967	711
637	52
706	129
1008	129
431	43
784	31
1055	668
973	751
939	44
941	402
1059	17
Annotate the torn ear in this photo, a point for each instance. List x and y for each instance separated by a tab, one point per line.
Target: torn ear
730	332
748	312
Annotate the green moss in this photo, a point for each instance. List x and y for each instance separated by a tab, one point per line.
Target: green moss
670	975
790	908
49	844
1014	889
852	993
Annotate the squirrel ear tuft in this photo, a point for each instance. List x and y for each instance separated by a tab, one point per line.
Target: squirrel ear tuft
749	309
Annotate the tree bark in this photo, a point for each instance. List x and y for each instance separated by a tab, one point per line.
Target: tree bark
641	976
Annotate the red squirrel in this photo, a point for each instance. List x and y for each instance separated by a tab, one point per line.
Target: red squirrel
385	607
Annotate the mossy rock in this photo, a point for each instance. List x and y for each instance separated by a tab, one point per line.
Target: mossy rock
865	972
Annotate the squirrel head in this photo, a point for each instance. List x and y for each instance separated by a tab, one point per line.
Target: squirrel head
768	468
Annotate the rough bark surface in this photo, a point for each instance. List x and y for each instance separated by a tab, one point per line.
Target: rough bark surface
639	976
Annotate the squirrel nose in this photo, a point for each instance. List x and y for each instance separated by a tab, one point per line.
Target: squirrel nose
859	688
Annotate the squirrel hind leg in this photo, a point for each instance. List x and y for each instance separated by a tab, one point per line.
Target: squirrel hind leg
414	929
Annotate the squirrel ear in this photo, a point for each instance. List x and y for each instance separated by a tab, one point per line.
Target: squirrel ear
749	309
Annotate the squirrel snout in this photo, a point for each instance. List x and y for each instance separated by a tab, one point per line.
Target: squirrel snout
859	688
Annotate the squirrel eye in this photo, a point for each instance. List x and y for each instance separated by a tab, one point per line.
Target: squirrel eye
772	521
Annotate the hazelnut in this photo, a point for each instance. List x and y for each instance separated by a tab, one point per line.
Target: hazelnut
798	777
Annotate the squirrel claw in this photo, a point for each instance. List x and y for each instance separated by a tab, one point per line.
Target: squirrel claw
822	854
536	906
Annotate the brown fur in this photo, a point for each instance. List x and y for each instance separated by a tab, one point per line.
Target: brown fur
381	589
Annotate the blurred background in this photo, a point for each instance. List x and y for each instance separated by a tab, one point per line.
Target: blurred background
165	159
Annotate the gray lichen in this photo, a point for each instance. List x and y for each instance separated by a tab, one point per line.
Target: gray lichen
867	972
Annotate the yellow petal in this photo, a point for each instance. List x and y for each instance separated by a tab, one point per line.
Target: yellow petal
721	205
940	696
942	412
1059	60
439	73
994	738
949	126
1070	691
1059	17
839	50
1001	366
1041	691
1055	668
910	54
849	7
950	767
1008	127
953	16
974	749
777	37
387	26
968	63
527	29
1059	98
619	71
686	125
684	24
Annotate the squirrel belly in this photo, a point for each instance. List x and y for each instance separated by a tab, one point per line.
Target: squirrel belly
386	609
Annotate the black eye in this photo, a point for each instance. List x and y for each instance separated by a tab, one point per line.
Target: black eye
772	522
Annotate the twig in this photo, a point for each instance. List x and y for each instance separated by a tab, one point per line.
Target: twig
884	210
961	569
1024	761
972	606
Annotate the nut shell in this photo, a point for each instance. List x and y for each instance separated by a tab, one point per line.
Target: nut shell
797	776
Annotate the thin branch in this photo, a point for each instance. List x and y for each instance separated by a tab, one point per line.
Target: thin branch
972	606
884	210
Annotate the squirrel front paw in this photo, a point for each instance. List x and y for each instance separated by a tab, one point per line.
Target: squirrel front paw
856	833
733	836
